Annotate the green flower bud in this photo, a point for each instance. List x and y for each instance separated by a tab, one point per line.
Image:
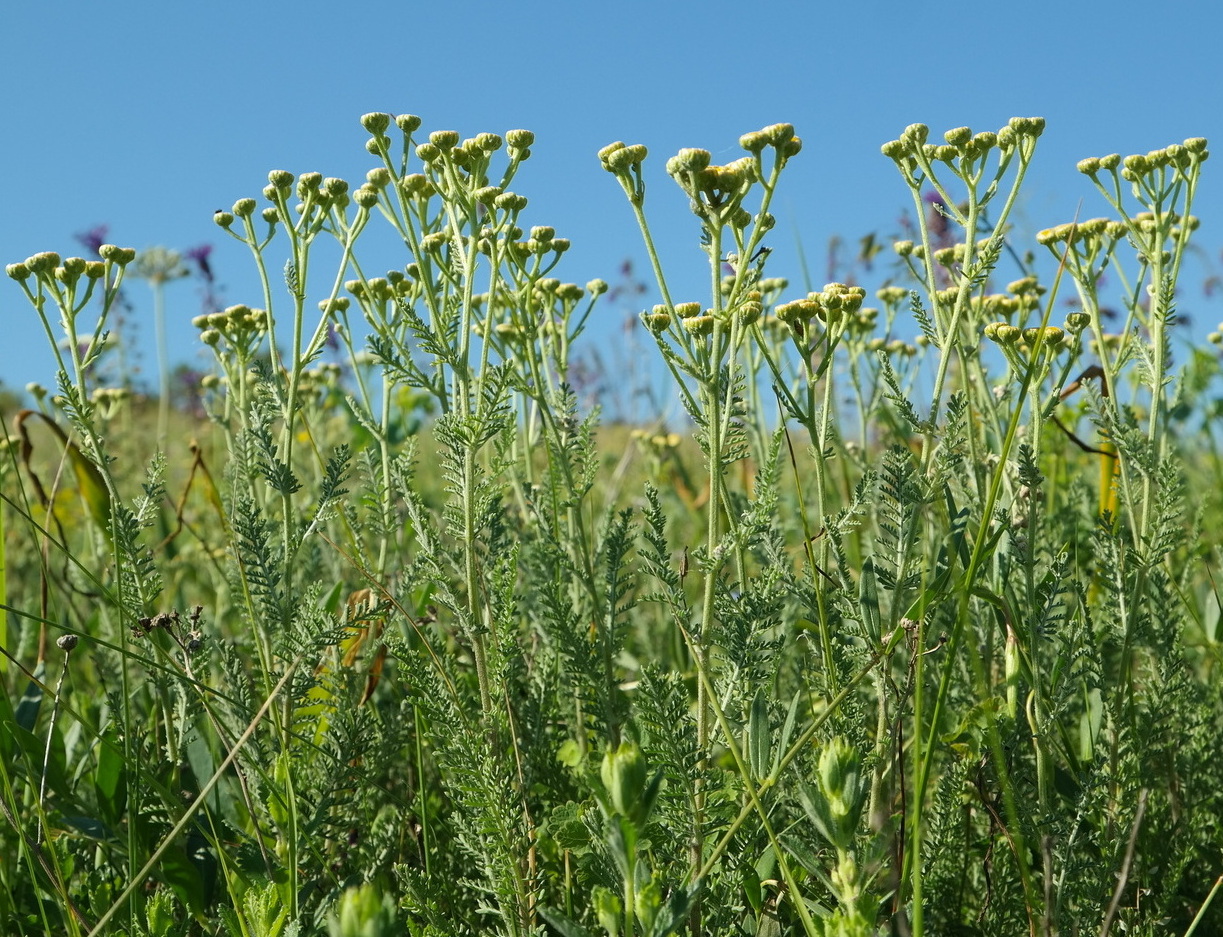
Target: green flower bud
597	287
431	243
684	310
1137	164
509	201
560	245
281	179
379	177
754	142
18	271
778	135
690	159
1027	126
408	123
916	134
46	261
444	140
894	149
121	256
210	337
308	183
605	153
270	215
903	248
543	233
376	123
95	269
626	158
1089	166
958	136
985	140
428	152
1077	321
366	196
222	218
244	207
791	147
657	322
519	139
892	295
699	325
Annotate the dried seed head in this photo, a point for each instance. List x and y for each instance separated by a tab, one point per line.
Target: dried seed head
67	642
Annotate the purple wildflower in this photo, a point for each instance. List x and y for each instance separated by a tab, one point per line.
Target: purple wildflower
200	256
94	238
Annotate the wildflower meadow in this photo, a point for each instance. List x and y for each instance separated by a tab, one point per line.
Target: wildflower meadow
909	625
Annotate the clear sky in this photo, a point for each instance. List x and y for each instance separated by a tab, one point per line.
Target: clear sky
147	117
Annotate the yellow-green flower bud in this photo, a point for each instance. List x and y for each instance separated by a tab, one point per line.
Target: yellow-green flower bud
95	269
903	248
699	325
894	149
1089	166
379	177
376	123
1137	164
778	135
222	219
958	136
749	311
597	287
754	142
444	140
117	255
428	153
46	261
408	123
431	243
916	134
626	158
892	294
270	215
519	139
511	202
657	322
985	140
686	310
366	196
339	304
1027	126
18	271
543	232
281	179
1077	321
244	207
210	337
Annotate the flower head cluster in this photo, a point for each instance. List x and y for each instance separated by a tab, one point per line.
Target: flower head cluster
963	150
1179	157
835	305
240	327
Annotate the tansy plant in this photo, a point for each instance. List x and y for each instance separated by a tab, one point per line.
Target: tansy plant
912	630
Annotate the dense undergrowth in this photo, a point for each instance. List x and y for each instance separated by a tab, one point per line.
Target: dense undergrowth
913	637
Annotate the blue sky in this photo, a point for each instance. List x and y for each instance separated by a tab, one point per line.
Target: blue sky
148	117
